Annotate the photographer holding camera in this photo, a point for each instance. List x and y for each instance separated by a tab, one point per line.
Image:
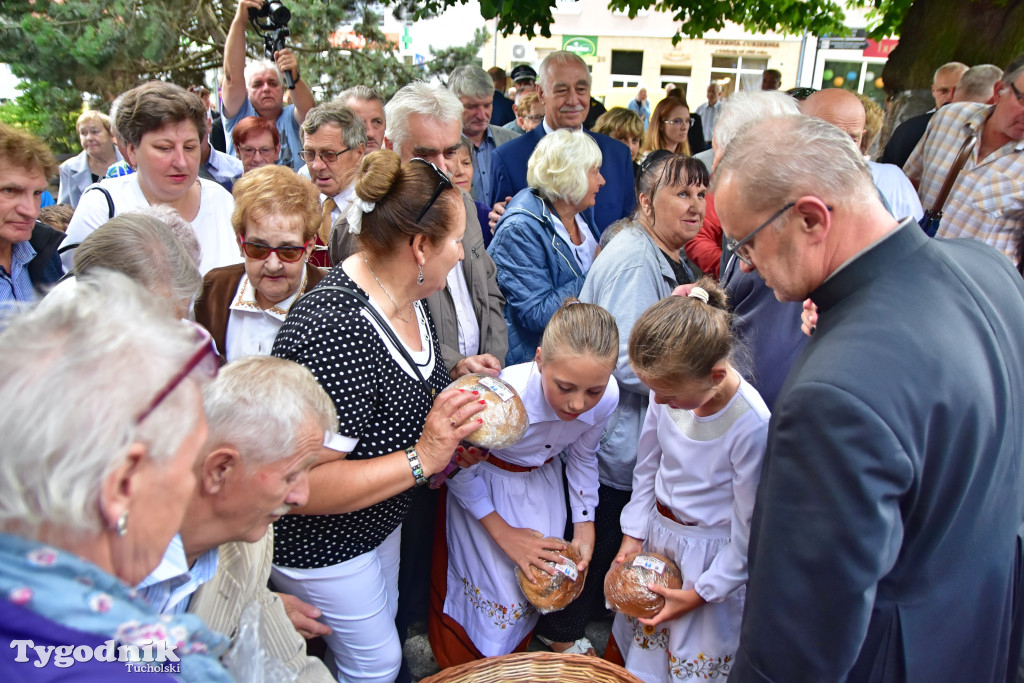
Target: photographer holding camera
261	93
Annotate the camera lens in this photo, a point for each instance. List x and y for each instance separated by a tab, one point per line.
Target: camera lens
279	14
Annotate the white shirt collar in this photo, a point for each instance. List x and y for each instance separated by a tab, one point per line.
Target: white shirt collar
245	299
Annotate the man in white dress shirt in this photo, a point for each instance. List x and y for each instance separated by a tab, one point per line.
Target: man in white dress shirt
333	144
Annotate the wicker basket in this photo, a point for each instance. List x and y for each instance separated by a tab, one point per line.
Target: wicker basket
541	667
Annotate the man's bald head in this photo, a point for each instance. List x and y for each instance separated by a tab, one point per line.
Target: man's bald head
839	107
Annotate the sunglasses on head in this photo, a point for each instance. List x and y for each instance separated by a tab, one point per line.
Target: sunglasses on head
443	183
288	254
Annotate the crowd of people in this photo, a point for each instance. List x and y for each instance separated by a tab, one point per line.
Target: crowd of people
736	341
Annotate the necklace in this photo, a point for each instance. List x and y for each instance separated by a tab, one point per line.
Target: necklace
381	285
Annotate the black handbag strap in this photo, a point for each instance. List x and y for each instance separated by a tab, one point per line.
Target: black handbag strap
954	173
384	325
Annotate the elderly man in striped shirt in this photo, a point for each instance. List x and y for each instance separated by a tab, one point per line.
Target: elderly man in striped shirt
987	199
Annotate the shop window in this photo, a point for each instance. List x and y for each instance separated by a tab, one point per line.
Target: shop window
859	77
679	75
744	71
627	66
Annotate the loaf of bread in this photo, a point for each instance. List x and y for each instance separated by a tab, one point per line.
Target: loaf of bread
552	593
625	586
505	419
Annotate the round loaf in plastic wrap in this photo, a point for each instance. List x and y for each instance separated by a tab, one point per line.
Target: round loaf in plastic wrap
625	586
552	593
505	419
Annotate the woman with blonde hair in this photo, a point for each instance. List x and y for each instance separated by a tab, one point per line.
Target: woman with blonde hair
669	127
90	166
546	240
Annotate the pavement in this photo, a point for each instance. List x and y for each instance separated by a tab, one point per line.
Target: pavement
421	658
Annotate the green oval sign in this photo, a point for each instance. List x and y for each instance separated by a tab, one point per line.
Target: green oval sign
582	46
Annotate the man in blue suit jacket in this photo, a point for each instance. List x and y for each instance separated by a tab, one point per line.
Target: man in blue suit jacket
563	85
884	543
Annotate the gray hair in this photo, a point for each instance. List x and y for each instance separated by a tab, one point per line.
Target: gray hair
259	66
258	404
359	92
353	130
145	249
181	228
1014	69
106	350
114	106
747	106
560	163
559	57
471	81
434	102
769	160
977	82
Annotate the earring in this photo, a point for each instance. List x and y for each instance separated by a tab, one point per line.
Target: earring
419	278
122	524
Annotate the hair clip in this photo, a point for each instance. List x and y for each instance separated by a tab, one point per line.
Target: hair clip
699	293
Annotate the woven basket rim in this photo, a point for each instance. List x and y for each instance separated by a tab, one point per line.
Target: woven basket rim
535	666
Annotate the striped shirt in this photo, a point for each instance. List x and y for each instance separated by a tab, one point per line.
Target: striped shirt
16	285
987	200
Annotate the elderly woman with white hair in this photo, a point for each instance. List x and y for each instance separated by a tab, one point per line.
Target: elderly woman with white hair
91	494
546	240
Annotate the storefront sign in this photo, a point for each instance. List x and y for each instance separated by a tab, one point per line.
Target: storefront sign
581	46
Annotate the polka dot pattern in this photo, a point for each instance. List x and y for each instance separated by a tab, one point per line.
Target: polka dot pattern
375	399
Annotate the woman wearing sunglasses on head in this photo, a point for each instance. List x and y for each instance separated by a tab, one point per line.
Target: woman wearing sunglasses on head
366	335
277	214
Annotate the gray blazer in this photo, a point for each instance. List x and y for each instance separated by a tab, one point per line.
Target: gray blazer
480	272
75	177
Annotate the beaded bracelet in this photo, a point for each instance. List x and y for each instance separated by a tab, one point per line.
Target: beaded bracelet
417	468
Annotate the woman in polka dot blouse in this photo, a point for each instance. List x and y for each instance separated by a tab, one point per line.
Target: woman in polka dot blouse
368	338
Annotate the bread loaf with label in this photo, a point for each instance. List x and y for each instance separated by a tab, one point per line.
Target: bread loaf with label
552	593
504	419
625	585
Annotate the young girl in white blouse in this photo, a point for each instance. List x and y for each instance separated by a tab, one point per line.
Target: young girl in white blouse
499	511
698	464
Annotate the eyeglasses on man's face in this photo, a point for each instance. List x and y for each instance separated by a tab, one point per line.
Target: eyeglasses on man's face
742	247
1016	93
328	156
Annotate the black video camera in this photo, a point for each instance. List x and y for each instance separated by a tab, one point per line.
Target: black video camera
274	30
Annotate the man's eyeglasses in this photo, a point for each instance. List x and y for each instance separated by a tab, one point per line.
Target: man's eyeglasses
534	117
677	122
264	152
1016	93
742	247
288	254
205	355
443	183
326	155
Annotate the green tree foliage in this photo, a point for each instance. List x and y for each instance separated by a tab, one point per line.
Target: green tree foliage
47	111
64	48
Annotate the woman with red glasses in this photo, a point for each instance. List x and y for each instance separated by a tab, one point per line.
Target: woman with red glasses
276	216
